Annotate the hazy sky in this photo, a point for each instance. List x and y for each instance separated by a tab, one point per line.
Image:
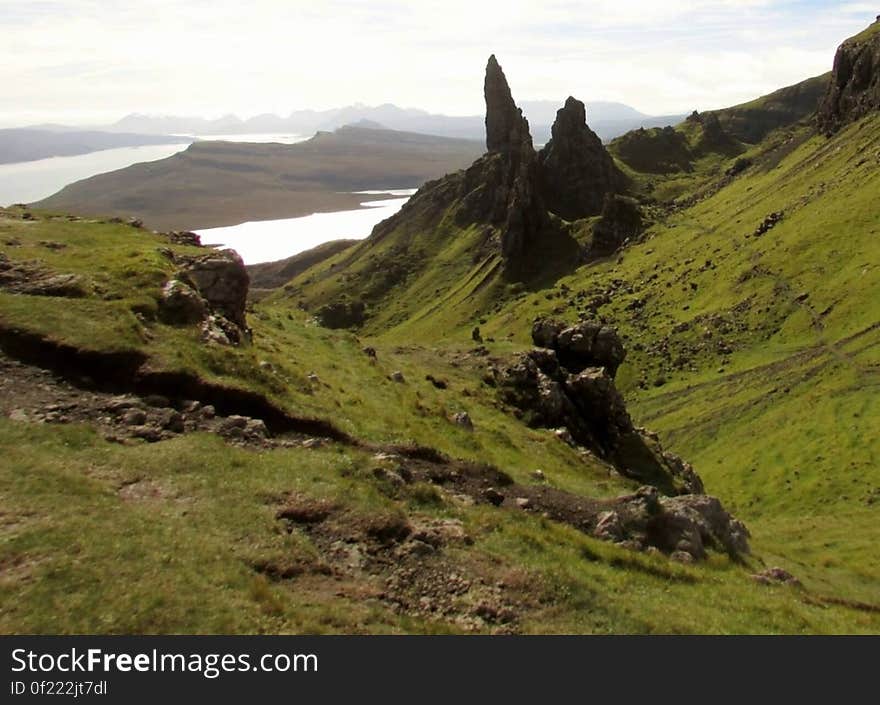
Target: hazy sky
81	61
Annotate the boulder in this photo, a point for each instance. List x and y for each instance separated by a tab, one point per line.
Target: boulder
586	344
222	280
700	521
181	304
683	527
463	419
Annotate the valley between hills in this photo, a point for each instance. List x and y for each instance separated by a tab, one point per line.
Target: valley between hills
585	388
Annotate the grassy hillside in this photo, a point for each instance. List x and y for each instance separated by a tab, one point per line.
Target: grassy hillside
212	184
376	479
754	120
758	355
187	526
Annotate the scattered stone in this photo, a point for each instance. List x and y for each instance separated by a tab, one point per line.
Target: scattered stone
682	557
134	417
156	400
150	434
185	237
564	435
463	419
256	428
775	575
438	383
609	527
768	224
171	420
121	403
493	496
397	376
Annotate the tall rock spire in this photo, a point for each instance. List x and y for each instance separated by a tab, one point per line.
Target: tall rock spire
506	128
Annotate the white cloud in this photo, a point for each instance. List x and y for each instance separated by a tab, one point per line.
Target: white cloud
96	60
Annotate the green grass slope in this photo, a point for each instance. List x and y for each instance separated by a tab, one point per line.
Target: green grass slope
759	356
186	528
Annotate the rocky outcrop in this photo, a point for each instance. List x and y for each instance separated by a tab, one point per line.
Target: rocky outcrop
568	383
621	220
185	237
854	90
684	527
587	344
211	289
34	279
577	172
223	281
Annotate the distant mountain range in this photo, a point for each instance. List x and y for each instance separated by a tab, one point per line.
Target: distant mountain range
607	119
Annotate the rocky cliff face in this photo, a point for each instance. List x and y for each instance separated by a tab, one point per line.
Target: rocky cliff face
577	172
854	90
